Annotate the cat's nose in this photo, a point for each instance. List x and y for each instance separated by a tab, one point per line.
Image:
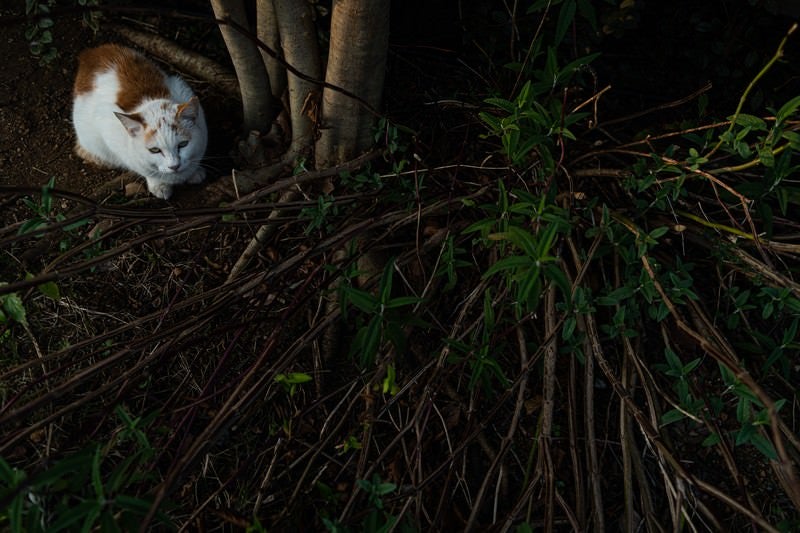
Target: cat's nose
174	167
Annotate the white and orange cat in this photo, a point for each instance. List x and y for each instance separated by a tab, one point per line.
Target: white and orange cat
129	114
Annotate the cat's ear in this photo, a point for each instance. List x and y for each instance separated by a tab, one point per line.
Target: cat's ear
133	123
188	110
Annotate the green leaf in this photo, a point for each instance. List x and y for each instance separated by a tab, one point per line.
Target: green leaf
72	516
97	483
361	299
766	156
83	222
764	446
658	232
402	301
671	416
12	305
520	238
673	360
509	263
386	282
384	488
565	17
787	109
50	289
750	121
691	365
794	139
569	327
31	32
298	377
31	225
372	339
711	440
501	103
91	517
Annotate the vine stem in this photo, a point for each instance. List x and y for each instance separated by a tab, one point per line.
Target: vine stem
778	54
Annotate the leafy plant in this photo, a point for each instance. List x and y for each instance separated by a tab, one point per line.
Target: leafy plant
82	490
319	214
387	317
11	308
292	381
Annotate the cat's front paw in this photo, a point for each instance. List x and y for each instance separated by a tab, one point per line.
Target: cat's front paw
198	177
159	189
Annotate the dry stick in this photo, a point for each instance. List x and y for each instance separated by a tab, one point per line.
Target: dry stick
176	229
545	462
175	334
596	482
235	402
593	338
679	102
724	355
589	409
651	433
183	59
572	421
641	476
265	230
776	278
311	461
707	330
76	380
428	390
261	237
571	518
242	395
512	429
625	441
246	285
631	356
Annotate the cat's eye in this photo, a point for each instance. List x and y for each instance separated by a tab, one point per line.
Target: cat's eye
183	144
155	150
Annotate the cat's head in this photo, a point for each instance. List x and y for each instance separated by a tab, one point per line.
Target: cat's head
167	137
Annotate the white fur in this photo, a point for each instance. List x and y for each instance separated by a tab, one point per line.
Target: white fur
108	138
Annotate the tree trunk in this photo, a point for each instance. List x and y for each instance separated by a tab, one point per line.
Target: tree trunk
356	62
267	33
299	42
253	82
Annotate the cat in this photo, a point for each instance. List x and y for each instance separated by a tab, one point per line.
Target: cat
127	113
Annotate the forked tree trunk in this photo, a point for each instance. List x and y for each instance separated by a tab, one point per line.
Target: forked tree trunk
253	81
356	62
267	33
298	37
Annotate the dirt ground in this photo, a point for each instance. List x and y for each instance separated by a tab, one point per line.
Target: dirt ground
36	135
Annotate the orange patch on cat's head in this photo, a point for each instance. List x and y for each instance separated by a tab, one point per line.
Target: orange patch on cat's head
138	78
